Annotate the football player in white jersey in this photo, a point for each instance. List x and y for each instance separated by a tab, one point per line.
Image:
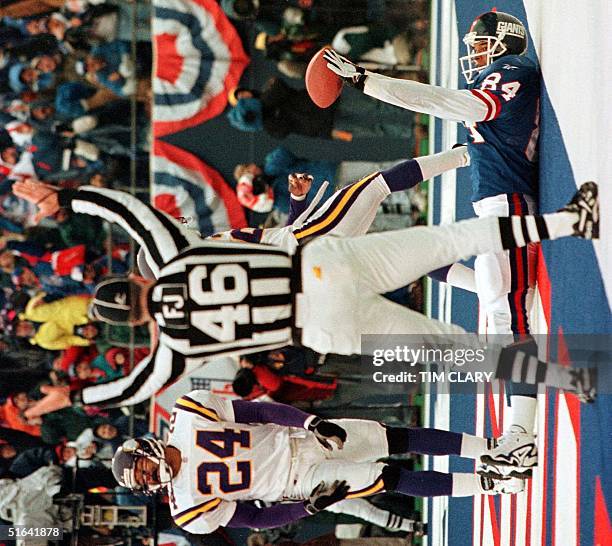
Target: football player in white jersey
350	211
221	453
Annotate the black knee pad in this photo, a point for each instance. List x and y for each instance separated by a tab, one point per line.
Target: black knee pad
397	439
391	476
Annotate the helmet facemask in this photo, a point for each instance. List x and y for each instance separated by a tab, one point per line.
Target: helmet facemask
491	36
470	63
124	464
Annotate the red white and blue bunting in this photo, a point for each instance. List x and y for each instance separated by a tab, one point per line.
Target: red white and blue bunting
183	185
198	58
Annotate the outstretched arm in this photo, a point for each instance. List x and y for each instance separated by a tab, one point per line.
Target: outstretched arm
159	369
457	105
161	236
321	497
453	104
266	412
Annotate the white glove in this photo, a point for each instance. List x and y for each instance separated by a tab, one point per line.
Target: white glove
353	74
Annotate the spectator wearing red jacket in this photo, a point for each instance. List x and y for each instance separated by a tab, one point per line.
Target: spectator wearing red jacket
254	380
11	414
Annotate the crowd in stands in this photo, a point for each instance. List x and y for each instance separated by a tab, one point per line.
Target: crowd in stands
66	80
67	77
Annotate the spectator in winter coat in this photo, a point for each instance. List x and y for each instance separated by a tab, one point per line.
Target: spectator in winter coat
61	323
280	110
110	66
11	414
19	440
281	162
65	424
26	8
32	459
287	389
23	77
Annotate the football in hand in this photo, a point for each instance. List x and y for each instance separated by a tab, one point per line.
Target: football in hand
323	86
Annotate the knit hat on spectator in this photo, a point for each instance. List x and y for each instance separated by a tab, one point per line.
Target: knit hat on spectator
112	301
247	115
240	9
15	77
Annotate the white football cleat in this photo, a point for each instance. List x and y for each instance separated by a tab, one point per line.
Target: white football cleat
516	448
502	472
504	486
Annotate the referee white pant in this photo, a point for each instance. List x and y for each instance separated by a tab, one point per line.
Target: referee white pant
343	279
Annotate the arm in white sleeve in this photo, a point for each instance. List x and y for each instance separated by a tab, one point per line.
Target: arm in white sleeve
453	104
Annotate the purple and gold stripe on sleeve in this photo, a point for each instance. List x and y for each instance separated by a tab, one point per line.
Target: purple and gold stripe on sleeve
187	516
376	487
337	210
192	406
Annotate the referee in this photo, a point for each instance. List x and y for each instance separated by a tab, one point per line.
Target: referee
214	298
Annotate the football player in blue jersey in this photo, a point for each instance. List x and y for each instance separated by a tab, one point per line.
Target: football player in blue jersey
500	109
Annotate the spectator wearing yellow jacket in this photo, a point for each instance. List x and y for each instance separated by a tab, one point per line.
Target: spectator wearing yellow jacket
60	324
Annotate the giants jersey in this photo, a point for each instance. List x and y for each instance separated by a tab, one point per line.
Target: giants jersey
503	147
222	462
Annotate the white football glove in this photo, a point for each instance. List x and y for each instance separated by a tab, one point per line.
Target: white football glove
350	72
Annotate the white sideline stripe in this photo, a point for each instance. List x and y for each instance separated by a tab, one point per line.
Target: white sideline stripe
505	520
566	500
449	77
537	508
445	26
477	501
517	230
439	513
521	518
540	326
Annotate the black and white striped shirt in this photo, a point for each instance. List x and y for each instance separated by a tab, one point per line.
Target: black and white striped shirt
211	299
